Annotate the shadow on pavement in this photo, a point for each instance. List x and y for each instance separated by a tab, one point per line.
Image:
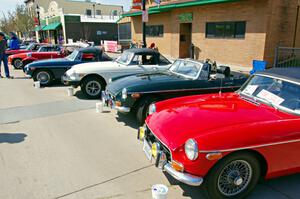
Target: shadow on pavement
12	138
128	120
281	188
79	94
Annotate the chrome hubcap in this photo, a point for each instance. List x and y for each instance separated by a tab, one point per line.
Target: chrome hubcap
18	63
93	88
43	77
234	178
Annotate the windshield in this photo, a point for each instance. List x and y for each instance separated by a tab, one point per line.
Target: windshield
278	93
125	58
73	55
186	68
30	47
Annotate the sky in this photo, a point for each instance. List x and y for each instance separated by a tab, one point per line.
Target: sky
7	5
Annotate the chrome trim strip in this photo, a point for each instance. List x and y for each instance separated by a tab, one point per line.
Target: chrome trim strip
250	147
183	177
191	89
122	109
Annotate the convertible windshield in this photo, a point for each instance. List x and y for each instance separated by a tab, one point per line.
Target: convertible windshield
30	47
278	93
73	55
186	68
125	58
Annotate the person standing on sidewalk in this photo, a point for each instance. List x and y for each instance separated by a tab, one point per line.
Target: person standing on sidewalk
3	57
14	41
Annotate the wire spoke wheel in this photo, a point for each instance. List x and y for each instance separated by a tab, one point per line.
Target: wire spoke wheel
18	63
93	88
234	178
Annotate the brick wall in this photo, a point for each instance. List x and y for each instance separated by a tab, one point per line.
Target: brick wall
281	26
270	23
239	52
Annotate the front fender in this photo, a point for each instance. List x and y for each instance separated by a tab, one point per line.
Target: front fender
29	59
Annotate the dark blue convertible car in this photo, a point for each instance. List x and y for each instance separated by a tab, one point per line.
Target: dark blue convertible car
47	71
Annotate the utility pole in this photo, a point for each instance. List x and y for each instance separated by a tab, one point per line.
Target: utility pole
144	24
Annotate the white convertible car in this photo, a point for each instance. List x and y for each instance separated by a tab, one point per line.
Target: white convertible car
93	77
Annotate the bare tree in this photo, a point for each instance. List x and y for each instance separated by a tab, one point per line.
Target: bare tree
20	20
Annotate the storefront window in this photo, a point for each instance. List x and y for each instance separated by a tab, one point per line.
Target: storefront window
226	29
155	31
88	12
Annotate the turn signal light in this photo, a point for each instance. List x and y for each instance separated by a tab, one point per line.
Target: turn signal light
118	103
141	133
214	156
177	166
135	95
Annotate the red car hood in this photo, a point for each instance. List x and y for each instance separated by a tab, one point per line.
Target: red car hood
179	119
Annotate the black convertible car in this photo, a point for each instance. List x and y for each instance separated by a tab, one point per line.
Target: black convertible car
47	71
184	77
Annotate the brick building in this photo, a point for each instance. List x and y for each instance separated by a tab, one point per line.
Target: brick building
233	32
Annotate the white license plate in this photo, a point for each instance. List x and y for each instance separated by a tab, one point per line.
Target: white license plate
147	150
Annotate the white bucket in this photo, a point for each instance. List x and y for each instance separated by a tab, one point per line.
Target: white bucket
37	84
99	107
70	91
159	191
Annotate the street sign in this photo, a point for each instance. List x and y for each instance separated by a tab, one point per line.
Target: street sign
145	16
157	2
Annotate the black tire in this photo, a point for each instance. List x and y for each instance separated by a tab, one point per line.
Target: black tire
142	108
92	87
44	76
213	180
17	63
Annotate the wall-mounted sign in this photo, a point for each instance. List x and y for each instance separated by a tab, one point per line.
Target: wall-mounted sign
185	17
136	4
145	16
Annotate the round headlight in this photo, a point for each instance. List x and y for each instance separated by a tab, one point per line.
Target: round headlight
152	109
191	149
124	93
110	80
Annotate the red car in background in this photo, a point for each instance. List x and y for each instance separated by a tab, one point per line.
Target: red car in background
229	141
44	52
31	48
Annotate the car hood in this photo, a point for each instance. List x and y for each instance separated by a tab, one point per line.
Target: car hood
96	67
147	82
52	62
178	120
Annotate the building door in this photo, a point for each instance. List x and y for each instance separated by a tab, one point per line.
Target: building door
185	40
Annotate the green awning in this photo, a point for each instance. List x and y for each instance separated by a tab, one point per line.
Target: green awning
52	26
168	7
38	28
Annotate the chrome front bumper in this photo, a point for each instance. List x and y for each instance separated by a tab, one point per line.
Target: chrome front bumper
183	177
109	102
162	163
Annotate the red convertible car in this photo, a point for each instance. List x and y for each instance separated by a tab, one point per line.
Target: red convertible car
229	141
44	52
31	48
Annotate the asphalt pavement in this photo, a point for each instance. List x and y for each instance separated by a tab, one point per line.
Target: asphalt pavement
57	147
